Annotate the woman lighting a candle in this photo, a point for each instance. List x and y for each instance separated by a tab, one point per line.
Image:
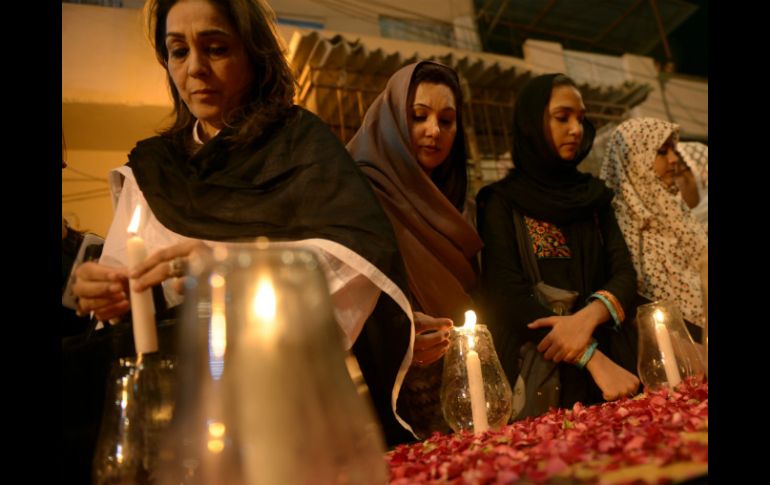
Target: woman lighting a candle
412	148
241	161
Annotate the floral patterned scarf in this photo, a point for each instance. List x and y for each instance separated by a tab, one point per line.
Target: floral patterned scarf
665	240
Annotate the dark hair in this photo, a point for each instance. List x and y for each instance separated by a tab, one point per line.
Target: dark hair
563	80
451	178
272	92
560	80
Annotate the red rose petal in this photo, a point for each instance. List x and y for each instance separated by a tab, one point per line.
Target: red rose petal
645	429
634	444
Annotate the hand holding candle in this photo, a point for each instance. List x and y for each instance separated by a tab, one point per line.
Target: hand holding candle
475	378
142	307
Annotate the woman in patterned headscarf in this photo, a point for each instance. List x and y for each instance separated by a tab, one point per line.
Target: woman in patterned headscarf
664	238
693	178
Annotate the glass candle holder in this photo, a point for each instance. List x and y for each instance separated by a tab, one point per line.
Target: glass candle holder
475	394
667	354
265	393
704	285
138	410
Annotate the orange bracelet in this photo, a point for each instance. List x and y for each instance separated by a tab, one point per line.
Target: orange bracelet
615	303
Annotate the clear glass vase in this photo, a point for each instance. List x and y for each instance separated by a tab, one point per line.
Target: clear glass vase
266	397
704	285
137	412
475	394
667	353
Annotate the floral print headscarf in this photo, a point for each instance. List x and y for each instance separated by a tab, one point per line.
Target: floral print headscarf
665	240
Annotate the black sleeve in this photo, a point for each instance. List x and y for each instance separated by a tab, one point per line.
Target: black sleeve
620	268
508	303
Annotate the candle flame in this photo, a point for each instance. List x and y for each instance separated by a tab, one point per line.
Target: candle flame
133	227
470	326
264	301
217	281
470	320
216	429
263	310
658	316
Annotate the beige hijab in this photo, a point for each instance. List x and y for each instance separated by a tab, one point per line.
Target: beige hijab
436	242
665	240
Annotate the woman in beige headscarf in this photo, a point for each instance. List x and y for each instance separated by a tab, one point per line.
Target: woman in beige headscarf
665	240
412	149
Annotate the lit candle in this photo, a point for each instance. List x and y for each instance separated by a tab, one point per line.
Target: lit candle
142	307
704	284
475	378
666	349
264	324
218	327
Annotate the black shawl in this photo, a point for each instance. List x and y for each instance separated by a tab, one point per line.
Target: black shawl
296	182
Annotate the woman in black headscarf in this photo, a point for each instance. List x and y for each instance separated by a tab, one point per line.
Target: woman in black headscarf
241	161
577	244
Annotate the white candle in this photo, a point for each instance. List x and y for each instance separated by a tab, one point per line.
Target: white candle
218	327
666	350
475	378
704	284
142	307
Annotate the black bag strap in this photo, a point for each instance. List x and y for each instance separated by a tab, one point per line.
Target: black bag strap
525	244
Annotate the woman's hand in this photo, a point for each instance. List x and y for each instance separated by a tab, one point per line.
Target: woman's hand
614	381
431	339
568	338
685	180
571	334
158	267
101	289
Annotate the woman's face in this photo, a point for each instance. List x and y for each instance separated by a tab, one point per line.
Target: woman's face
207	62
432	124
666	160
564	121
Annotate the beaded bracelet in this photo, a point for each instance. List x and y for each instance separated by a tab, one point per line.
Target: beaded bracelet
587	354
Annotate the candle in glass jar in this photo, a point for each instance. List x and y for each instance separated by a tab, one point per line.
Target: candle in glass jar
704	284
475	378
666	350
142	307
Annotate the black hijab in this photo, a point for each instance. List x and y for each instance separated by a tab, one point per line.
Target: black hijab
543	185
